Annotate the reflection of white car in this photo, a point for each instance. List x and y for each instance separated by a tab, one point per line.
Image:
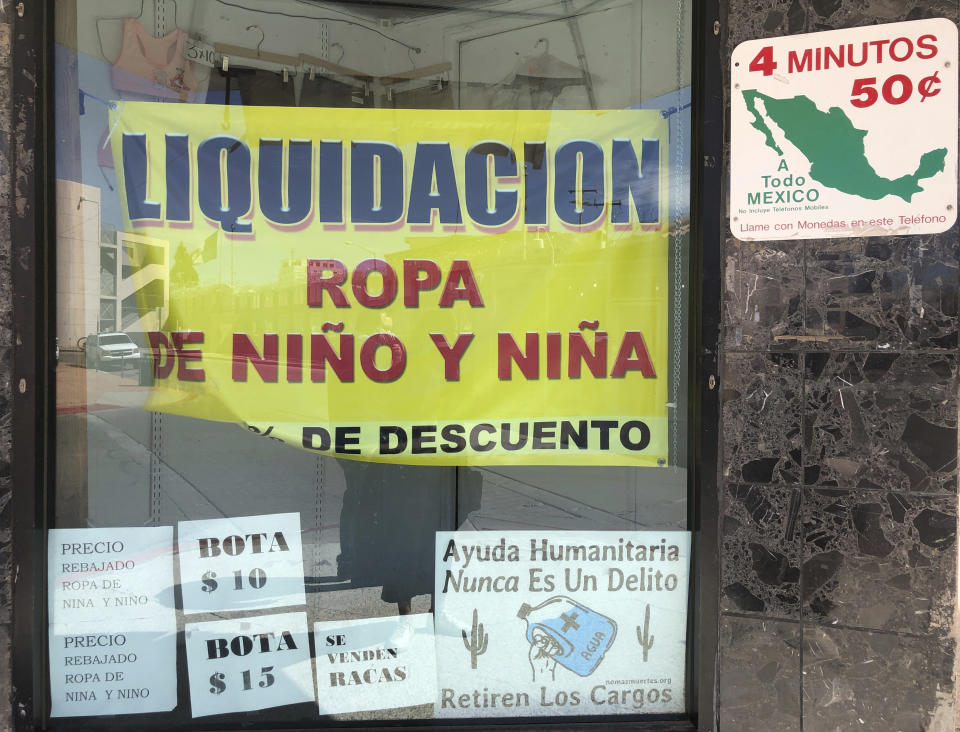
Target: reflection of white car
103	349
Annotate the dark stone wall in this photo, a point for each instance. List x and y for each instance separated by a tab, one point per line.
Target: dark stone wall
839	460
6	358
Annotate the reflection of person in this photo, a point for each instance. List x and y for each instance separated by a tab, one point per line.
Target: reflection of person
543	648
387	526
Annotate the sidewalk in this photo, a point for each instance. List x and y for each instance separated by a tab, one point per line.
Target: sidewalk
80	389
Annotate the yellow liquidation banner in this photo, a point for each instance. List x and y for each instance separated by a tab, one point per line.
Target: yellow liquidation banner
433	287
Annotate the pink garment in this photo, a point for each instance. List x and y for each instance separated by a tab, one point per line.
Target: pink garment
153	66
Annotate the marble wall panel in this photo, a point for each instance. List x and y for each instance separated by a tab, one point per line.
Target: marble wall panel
6	366
6	711
6	487
761	534
876	682
881	420
879	560
774	18
6	188
883	293
6	548
759	675
876	335
763	295
6	410
761	418
783	17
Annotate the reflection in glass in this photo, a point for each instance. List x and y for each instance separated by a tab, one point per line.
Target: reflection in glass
368	528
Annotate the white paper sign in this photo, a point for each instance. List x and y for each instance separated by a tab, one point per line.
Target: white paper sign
247	664
99	668
375	663
101	574
556	623
200	52
244	563
844	133
112	621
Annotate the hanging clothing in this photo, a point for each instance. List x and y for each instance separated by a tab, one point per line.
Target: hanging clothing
324	92
151	66
252	87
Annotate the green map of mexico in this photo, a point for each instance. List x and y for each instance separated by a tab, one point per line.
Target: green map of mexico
845	133
835	148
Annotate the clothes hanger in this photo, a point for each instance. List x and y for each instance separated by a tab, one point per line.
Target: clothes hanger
228	49
336	68
120	17
407	79
432	70
437	70
262	37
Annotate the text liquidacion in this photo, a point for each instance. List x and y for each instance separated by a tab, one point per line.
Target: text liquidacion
582	182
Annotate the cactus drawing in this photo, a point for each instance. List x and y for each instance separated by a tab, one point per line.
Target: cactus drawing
478	640
646	640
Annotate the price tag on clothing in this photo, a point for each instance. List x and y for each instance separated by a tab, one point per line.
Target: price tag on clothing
200	52
247	664
243	563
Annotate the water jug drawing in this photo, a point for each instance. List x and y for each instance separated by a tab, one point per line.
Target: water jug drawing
573	634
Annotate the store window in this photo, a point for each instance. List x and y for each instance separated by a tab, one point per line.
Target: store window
372	398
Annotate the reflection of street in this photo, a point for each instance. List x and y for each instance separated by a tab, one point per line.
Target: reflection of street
575	498
205	469
82	389
201	476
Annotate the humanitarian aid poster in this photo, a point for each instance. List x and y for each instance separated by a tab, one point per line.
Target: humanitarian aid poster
425	287
553	623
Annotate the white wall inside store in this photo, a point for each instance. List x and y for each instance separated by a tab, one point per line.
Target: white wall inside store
629	46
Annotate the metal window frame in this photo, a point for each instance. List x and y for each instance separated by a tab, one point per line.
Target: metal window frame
33	380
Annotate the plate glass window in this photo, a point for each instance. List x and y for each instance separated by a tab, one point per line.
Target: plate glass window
371	401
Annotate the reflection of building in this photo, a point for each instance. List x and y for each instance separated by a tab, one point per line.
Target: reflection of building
270	307
109	280
143	286
293	277
79	262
